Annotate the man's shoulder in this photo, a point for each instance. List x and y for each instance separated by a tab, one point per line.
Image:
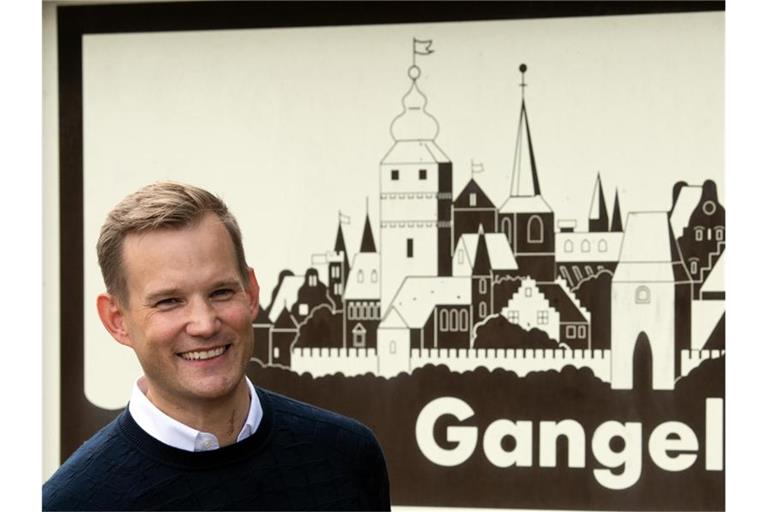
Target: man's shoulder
82	471
303	416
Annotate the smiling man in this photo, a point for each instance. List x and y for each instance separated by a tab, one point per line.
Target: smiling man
197	435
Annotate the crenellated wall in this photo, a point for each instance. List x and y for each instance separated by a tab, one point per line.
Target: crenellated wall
327	361
690	359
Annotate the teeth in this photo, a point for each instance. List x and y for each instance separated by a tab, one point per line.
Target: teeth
203	354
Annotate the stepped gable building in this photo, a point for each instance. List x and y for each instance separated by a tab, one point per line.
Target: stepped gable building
650	303
416	191
426	313
702	239
552	308
525	217
582	255
362	305
472	209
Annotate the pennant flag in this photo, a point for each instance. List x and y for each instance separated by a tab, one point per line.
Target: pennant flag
422	47
343	219
477	168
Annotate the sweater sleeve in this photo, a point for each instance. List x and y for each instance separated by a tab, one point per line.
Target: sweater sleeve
376	483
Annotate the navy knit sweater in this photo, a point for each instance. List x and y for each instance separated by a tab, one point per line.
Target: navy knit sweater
300	458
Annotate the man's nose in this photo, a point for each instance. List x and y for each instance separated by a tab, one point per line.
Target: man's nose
203	320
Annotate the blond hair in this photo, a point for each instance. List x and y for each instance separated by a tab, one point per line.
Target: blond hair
160	205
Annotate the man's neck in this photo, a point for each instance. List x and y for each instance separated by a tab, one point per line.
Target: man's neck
223	417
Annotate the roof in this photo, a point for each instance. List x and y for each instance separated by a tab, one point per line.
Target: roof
687	200
414	152
564	302
367	263
525	204
648	251
525	179
418	296
499	251
285	320
481	199
286	296
367	243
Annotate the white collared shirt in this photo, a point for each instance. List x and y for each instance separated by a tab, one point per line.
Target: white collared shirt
175	433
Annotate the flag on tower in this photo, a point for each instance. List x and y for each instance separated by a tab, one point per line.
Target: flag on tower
343	219
422	47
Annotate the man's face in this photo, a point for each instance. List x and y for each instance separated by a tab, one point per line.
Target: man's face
188	313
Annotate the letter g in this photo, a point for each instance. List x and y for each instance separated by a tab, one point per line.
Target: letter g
465	436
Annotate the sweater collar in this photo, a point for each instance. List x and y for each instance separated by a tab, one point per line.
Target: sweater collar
174	433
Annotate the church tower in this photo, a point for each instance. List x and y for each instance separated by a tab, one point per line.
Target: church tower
525	217
416	194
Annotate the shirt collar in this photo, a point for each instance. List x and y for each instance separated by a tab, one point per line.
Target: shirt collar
175	433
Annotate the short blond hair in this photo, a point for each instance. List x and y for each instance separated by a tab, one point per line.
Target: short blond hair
161	205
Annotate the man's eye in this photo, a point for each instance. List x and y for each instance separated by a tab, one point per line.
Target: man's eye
223	293
167	303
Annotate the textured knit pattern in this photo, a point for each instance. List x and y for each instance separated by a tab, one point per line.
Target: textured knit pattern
300	458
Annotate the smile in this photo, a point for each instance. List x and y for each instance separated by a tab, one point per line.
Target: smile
202	355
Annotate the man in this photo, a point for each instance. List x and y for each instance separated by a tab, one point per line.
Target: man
197	435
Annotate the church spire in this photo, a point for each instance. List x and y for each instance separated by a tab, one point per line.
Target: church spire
616	221
598	212
367	244
482	263
340	246
525	179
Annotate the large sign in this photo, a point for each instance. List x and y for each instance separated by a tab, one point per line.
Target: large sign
500	244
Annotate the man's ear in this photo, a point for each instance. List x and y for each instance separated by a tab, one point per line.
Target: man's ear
111	315
253	293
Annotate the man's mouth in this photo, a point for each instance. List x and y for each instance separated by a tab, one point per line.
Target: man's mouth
202	355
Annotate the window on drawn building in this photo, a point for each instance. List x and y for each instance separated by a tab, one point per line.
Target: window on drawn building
334	271
528	291
276	353
719	233
303	309
358	336
506	228
395	174
585	247
602	245
312	280
409	247
482	286
392	347
454	320
472	199
460	256
570	332
535	230
444	320
582	331
699	233
422	174
374	276
464	320
542	317
694	265
514	317
360	276
568	246
642	295
483	310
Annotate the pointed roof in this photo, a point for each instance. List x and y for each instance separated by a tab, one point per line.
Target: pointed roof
261	317
687	199
482	263
498	249
340	246
285	320
525	178
285	296
616	225
598	213
367	244
481	199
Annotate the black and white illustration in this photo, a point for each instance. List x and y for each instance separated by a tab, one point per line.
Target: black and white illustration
500	244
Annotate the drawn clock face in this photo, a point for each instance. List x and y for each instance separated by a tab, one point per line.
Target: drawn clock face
422	200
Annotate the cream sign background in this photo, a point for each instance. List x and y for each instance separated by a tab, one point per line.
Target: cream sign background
289	125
